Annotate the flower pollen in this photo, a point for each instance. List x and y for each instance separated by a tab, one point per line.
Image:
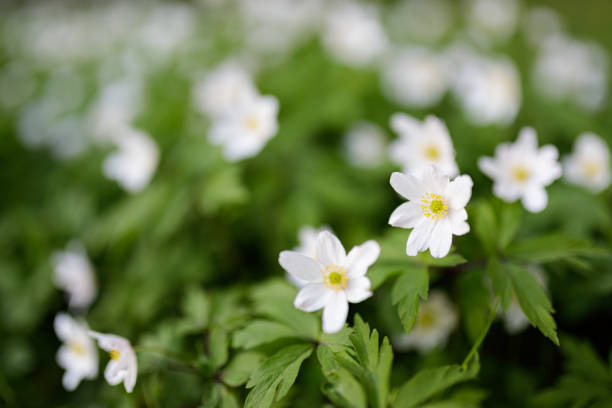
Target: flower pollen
114	354
334	277
432	153
77	348
434	206
252	123
520	173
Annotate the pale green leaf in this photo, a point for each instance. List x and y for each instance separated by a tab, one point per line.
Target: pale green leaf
260	332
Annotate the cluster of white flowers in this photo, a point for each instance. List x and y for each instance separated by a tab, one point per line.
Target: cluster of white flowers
78	355
589	164
243	121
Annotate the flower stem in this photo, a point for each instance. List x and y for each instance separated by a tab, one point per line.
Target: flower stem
482	334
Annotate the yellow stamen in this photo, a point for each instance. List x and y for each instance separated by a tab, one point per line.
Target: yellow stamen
520	173
334	277
114	354
77	348
434	206
425	319
591	169
252	123
432	153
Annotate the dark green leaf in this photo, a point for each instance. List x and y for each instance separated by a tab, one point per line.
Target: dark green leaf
500	279
485	226
509	224
241	367
408	288
554	247
474	301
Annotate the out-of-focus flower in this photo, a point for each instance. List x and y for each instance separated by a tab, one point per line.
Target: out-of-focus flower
568	69
166	27
134	162
589	164
540	24
495	20
414	77
489	90
244	131
521	170
78	354
421	144
307	239
514	318
435	209
435	320
421	20
364	144
223	89
334	277
122	366
74	274
353	34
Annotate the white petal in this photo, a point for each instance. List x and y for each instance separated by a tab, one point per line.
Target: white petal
441	239
459	191
358	289
435	180
488	166
63	325
405	125
419	238
361	257
527	139
335	312
458	224
114	372
330	249
301	266
535	199
407	186
132	373
71	379
406	215
312	297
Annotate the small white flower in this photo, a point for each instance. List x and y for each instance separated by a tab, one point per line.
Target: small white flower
364	144
495	19
334	277
514	318
307	239
521	170
414	77
78	354
589	164
245	130
435	320
421	144
223	89
74	274
435	209
353	34
122	366
135	161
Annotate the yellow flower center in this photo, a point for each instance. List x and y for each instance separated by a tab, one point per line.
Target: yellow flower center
432	153
520	173
77	348
334	277
252	123
434	206
591	169
114	354
426	319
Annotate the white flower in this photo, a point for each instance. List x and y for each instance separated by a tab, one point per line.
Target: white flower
421	144
122	365
78	355
514	318
589	164
414	77
364	144
223	89
489	90
135	161
495	19
74	274
353	34
245	130
435	320
435	210
521	170
334	277
307	239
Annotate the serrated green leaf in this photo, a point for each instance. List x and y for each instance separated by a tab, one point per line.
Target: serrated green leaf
241	367
407	290
341	387
217	396
555	247
429	382
485	226
509	224
500	279
274	377
336	341
218	344
533	301
474	301
260	332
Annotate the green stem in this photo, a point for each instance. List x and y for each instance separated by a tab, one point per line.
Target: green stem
482	334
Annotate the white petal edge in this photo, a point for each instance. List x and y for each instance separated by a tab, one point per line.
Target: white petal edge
301	266
361	257
335	312
312	297
441	239
358	289
329	249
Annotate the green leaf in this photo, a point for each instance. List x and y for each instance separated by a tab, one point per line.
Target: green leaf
274	377
464	398
341	387
407	290
379	273
555	247
500	279
533	301
485	226
260	332
429	382
474	301
218	344
218	396
196	308
509	224
241	367
424	258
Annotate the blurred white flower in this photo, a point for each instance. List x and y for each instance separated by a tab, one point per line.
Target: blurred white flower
223	89
435	320
364	144
244	131
568	69
521	170
414	77
421	144
74	274
489	90
134	162
353	34
421	20
307	240
540	24
589	164
514	318
495	20
334	277
78	354
166	27
122	366
435	209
